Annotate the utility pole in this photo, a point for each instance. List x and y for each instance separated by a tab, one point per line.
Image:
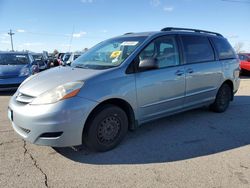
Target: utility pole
11	33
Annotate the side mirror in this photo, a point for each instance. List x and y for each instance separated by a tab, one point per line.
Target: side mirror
148	64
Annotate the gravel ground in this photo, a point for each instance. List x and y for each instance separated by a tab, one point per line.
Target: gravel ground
193	149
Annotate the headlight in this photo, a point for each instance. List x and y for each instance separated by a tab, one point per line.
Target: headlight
24	72
61	92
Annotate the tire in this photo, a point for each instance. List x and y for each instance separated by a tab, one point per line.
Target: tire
106	128
222	99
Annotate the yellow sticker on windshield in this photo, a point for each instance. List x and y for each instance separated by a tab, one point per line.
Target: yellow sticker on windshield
115	54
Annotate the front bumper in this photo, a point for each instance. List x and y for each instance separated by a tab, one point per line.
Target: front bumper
11	83
38	123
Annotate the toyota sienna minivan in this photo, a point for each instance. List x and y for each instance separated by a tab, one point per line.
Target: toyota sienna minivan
122	83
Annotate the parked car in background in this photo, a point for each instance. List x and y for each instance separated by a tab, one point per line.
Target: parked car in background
41	61
15	67
50	60
65	58
72	57
124	82
59	59
244	62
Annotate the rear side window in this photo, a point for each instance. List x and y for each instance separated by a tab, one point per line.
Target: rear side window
197	49
224	49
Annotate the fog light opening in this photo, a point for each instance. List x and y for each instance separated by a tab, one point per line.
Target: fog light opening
51	135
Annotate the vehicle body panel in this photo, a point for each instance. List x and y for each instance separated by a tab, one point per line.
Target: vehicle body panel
55	77
202	82
65	116
159	92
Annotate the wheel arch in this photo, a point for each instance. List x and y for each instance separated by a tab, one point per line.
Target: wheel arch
117	102
231	85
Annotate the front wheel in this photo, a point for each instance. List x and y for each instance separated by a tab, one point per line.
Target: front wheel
222	99
106	128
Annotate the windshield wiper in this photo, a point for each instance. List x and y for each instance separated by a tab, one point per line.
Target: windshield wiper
81	66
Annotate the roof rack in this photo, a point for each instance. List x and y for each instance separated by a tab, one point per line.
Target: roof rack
188	29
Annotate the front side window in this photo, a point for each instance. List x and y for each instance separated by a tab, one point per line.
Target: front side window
13	59
197	49
224	48
164	50
108	54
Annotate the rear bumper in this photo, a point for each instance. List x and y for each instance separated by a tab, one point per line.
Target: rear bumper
11	83
59	125
245	66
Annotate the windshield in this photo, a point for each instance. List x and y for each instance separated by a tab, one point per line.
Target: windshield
37	56
108	54
13	59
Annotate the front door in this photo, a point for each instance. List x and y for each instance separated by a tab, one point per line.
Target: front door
160	91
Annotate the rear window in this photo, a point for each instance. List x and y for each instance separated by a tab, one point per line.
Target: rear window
243	57
76	56
66	57
197	49
224	49
13	59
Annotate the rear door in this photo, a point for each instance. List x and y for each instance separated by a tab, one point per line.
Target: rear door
161	90
203	72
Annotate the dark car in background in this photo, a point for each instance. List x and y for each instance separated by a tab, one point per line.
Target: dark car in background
41	61
72	57
65	58
244	62
59	59
15	67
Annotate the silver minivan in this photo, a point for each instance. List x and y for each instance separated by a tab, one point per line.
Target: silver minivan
122	83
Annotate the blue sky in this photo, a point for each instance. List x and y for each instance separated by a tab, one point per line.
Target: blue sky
49	24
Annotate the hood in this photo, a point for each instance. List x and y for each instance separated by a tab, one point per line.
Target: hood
8	71
54	77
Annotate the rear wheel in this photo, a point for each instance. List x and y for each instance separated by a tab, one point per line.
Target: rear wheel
223	99
106	128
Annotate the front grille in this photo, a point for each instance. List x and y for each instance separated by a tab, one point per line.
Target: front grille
23	98
8	76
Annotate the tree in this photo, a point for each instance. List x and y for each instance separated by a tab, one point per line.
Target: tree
85	49
55	52
238	47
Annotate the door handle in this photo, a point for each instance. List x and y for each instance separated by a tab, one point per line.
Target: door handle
179	73
190	71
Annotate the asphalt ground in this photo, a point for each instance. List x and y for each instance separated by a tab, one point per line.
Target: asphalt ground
197	148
